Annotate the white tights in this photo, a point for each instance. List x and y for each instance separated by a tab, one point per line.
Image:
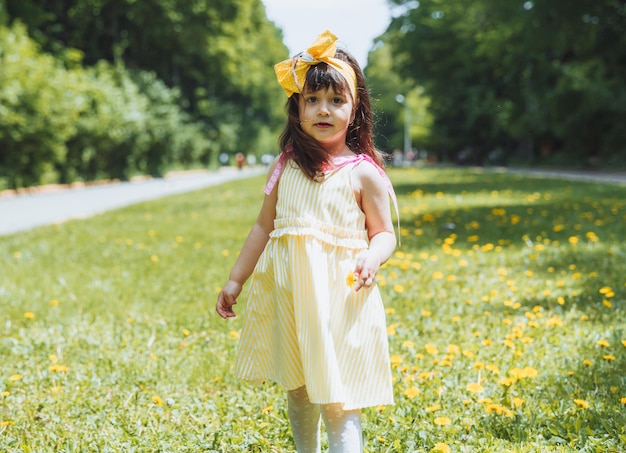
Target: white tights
343	427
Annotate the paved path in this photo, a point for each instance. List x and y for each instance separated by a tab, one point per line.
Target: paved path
26	211
574	175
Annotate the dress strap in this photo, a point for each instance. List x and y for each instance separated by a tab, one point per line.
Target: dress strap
278	170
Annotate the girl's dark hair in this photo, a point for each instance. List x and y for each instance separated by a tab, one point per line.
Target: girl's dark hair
307	152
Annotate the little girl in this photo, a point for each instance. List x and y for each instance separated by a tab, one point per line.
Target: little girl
315	321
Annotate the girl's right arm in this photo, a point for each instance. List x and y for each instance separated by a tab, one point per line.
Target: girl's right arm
249	255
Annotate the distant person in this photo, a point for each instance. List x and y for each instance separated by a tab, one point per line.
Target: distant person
315	320
240	159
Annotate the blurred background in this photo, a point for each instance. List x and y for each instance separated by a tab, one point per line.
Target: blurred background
111	89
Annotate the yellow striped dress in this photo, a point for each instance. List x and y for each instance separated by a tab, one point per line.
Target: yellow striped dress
303	324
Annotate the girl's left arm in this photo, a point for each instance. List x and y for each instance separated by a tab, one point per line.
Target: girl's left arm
374	201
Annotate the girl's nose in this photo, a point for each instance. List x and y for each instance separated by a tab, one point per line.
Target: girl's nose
323	109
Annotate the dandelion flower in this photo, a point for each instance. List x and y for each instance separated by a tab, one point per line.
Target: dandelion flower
350	279
440	447
157	400
475	387
433	408
517	402
602	343
442	421
623	400
16	377
411	392
267	409
581	403
29	315
609	358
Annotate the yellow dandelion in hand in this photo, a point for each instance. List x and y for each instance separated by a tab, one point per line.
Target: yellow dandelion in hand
350	279
442	421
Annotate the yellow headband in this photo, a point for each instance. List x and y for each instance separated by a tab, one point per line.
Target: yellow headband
291	73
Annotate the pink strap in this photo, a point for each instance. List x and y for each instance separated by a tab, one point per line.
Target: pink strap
338	163
278	170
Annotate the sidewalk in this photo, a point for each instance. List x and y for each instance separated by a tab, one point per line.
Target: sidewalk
25	211
574	175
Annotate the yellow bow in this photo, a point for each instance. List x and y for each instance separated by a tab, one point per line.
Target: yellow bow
291	73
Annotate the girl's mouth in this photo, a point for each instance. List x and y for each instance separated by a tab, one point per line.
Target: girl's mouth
323	125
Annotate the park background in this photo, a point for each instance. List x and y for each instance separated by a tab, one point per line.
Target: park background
504	303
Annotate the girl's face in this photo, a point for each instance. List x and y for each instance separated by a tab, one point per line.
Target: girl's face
325	115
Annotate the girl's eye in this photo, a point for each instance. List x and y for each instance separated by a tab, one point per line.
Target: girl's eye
311	99
337	101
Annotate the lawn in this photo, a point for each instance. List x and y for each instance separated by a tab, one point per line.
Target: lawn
505	313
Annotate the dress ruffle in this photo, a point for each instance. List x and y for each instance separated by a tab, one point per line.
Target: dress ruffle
330	234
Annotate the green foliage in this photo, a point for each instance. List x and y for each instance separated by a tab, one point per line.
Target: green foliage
511	284
61	124
527	78
123	87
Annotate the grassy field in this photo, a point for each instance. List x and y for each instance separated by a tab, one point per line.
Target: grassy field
505	312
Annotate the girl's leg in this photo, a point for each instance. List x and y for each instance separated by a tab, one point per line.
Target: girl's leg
304	417
343	428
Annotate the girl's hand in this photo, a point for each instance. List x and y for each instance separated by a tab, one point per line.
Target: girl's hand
227	298
367	264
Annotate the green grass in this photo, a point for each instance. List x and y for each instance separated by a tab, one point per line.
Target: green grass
505	307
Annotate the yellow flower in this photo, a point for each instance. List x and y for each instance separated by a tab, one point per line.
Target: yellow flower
475	387
440	447
54	303
29	315
517	402
234	334
609	358
602	343
267	409
442	421
587	362
408	344
157	400
395	360
411	392
433	408
350	279
16	377
431	349
57	368
623	400
582	403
